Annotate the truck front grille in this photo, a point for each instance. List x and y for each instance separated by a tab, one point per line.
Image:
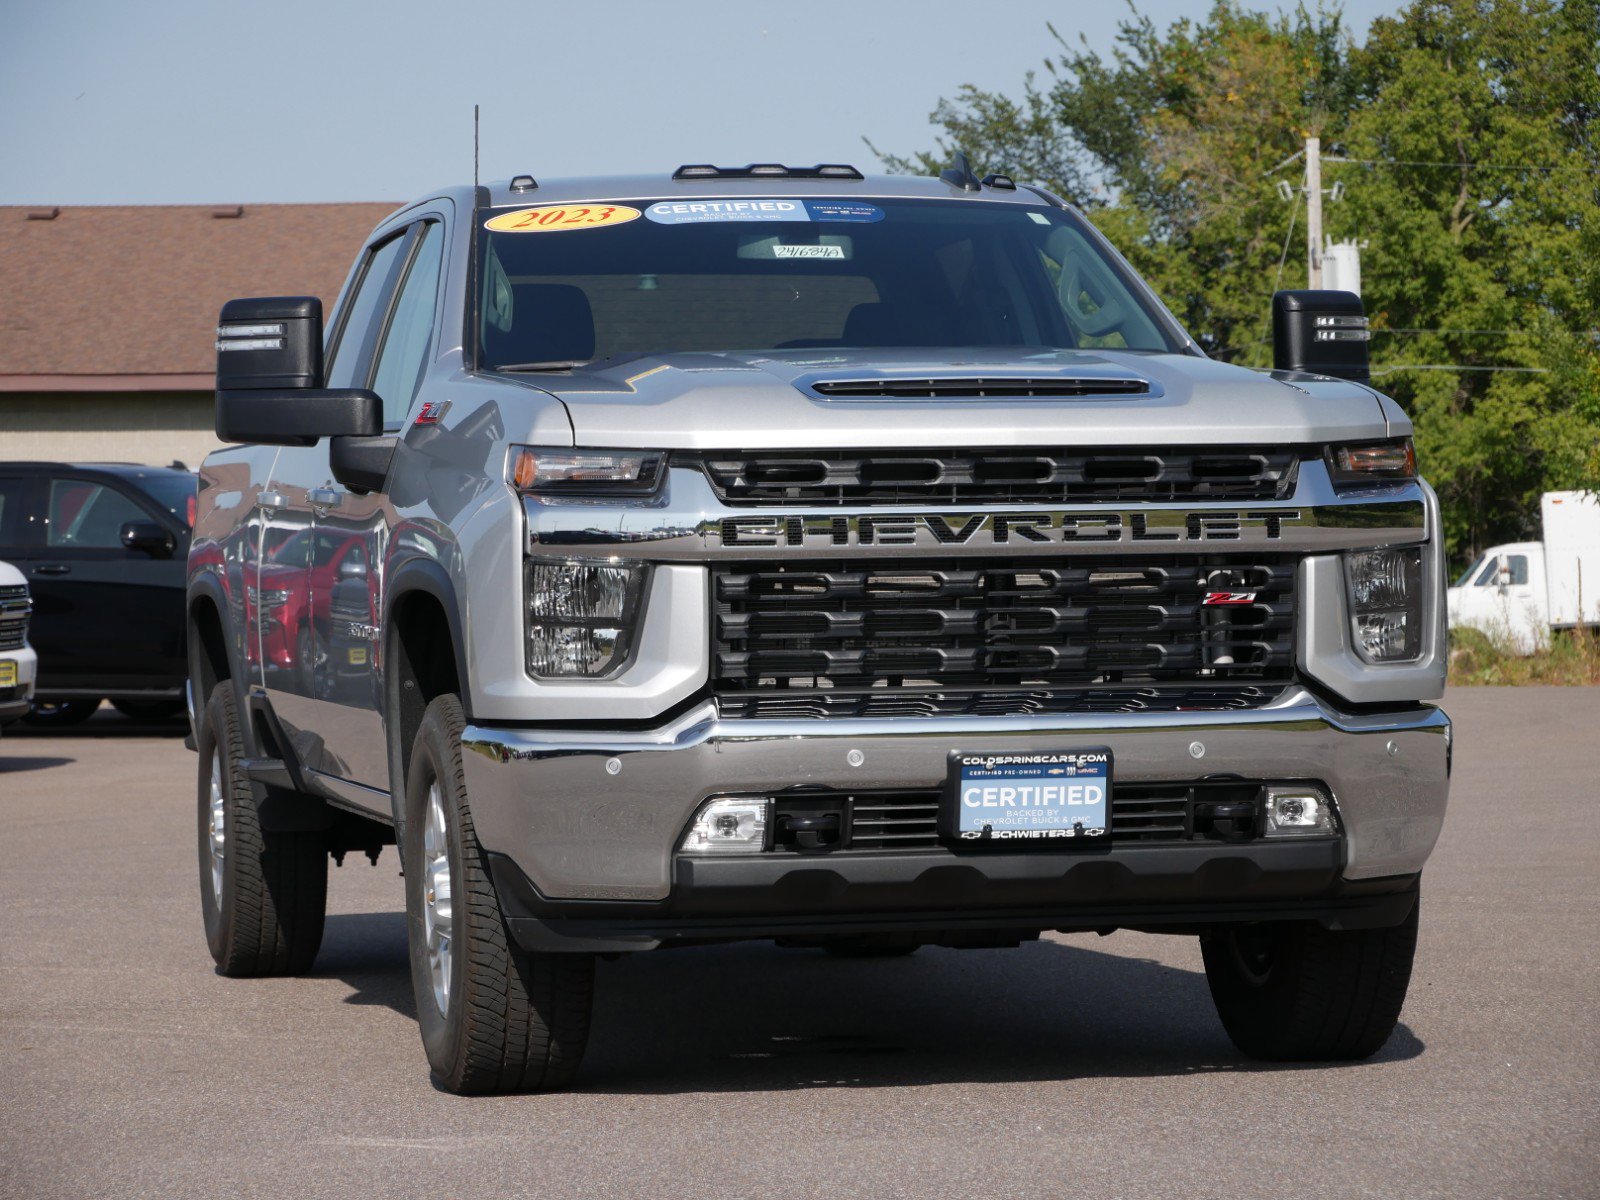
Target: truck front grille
14	608
919	638
984	477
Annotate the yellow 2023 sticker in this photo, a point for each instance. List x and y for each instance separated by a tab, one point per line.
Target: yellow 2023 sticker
557	217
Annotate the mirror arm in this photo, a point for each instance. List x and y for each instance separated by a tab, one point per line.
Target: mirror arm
362	463
296	416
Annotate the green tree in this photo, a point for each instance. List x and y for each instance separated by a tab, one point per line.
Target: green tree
1471	180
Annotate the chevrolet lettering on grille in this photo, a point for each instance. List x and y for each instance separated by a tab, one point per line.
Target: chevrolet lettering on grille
1004	528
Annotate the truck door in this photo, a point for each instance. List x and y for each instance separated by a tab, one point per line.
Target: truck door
352	530
1523	605
295	627
103	616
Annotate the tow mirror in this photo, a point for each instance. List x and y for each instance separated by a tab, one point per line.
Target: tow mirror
269	377
148	536
1321	333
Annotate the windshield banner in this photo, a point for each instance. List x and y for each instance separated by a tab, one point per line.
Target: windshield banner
698	212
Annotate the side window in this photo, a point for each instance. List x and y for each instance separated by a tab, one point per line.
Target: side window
351	354
1491	570
405	345
88	516
1519	568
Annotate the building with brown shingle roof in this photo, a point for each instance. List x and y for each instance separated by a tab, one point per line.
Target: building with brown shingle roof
108	316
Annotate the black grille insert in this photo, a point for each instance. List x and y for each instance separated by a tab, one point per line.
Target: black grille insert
902	638
1045	476
14	609
866	703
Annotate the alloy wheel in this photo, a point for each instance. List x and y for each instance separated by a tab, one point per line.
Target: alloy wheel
437	917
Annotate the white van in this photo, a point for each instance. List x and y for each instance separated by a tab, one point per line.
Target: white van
1522	590
18	663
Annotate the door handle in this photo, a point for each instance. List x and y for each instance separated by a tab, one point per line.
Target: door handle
268	501
324	497
52	569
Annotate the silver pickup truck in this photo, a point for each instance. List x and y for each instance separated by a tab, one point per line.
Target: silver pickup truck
775	552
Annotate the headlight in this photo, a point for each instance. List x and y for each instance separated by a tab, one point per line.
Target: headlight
1384	588
271	598
581	616
585	472
1369	464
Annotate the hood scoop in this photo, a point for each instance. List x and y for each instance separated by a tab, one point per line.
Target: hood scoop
966	387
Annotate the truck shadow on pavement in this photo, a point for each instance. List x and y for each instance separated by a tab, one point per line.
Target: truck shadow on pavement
104	724
18	763
754	1017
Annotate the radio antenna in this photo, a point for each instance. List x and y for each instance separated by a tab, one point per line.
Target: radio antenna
474	147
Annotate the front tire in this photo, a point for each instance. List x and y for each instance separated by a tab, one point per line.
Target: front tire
1296	992
494	1018
263	895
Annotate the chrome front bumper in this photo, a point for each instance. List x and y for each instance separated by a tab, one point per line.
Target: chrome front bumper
590	815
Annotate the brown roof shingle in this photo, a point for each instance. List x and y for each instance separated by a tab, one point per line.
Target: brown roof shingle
134	291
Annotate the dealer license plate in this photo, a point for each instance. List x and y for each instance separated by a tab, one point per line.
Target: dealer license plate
8	674
1032	797
358	656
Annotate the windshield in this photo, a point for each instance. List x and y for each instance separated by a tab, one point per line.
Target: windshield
1466	576
566	284
296	552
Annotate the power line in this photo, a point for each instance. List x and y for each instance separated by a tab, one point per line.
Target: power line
1294	212
1414	162
1453	367
1504	332
1284	163
1455	166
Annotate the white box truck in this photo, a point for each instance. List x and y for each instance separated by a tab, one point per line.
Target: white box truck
1522	590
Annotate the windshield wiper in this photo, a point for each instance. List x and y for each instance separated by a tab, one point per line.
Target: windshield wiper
560	364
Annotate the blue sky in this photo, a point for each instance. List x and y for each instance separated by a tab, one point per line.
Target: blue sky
212	101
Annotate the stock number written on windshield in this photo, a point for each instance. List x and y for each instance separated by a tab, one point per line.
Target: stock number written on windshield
556	218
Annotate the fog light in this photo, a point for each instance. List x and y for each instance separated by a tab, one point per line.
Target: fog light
1298	811
728	827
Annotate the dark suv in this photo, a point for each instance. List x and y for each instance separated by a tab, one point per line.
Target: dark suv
103	546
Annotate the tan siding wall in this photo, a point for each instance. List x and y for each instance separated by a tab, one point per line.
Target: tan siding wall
141	427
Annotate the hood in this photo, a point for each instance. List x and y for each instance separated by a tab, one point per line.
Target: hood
281	575
769	400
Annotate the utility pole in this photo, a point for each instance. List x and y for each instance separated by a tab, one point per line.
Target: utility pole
1313	212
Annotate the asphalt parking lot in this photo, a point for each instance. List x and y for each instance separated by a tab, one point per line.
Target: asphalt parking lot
1074	1066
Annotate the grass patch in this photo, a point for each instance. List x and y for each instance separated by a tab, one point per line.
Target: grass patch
1571	659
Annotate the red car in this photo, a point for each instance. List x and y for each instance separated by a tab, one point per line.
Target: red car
296	598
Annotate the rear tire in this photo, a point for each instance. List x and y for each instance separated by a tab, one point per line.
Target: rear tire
57	714
149	710
268	917
494	1018
1297	992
